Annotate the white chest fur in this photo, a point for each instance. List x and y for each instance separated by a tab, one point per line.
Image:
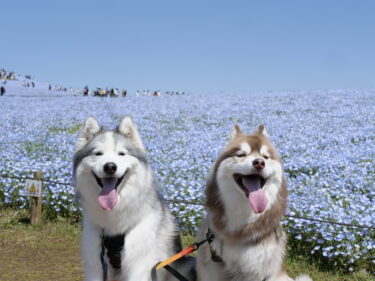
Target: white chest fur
249	261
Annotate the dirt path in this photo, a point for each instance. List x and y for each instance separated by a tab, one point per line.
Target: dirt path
47	252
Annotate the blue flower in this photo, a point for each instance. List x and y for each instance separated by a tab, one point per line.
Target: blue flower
326	140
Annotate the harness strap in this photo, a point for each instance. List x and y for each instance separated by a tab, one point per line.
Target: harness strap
175	273
171	270
102	260
114	246
214	256
279	231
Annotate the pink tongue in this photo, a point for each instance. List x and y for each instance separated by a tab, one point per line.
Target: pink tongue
108	196
257	197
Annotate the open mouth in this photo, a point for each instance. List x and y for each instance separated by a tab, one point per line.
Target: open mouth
242	181
108	196
252	186
100	182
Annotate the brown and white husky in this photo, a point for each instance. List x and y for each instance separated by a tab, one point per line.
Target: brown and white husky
246	198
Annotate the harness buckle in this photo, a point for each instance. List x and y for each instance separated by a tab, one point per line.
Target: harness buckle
210	236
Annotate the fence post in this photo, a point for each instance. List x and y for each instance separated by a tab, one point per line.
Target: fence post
36	203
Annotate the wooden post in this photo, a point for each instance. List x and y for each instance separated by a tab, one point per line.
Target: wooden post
36	203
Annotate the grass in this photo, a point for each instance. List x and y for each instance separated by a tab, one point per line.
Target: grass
51	251
70	130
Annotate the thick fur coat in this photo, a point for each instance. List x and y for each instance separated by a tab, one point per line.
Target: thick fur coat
246	197
126	224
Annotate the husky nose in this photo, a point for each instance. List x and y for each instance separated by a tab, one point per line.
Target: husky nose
259	164
110	168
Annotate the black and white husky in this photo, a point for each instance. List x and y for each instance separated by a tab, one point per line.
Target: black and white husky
246	198
127	227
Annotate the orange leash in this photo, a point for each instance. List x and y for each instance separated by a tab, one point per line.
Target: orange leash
184	252
188	250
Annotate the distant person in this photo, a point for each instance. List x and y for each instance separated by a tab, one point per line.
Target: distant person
2	90
124	93
137	93
86	91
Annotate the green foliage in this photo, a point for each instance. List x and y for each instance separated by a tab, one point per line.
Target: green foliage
70	130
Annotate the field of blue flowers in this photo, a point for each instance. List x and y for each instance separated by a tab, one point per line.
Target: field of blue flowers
326	140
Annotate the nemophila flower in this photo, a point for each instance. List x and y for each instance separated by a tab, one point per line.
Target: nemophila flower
326	141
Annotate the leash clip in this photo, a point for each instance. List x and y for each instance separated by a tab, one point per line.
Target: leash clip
210	236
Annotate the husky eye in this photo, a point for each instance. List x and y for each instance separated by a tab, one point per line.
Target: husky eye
98	153
121	153
265	156
241	154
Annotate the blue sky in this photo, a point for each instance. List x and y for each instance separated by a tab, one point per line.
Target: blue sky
196	46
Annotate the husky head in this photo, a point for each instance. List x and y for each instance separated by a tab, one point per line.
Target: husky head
247	179
104	161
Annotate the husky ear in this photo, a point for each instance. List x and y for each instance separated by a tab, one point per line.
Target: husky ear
129	130
236	131
88	131
262	130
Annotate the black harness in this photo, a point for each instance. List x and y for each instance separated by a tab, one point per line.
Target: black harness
114	245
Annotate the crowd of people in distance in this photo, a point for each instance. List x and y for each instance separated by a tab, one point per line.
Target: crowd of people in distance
106	92
59	88
4	76
172	93
28	81
28	84
158	93
148	93
114	92
11	75
7	75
